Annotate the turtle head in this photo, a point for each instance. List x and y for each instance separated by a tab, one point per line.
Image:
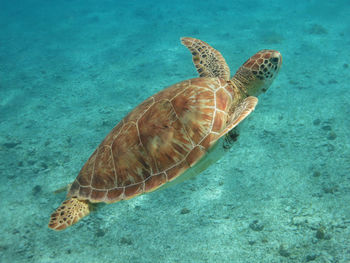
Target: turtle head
257	73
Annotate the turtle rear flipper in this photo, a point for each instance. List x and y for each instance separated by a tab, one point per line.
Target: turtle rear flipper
68	213
63	189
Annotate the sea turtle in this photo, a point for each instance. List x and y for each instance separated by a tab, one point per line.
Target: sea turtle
171	133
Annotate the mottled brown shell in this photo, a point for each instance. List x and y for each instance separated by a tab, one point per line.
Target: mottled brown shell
156	142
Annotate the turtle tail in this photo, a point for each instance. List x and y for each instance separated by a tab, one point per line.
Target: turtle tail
68	213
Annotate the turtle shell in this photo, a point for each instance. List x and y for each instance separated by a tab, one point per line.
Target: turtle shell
156	142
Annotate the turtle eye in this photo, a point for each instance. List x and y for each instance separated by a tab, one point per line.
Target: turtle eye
274	60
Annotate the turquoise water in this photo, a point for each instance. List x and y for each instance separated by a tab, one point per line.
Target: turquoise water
70	70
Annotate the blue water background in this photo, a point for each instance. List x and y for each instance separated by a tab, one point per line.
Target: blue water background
70	70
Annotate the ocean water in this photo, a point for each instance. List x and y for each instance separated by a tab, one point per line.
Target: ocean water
71	70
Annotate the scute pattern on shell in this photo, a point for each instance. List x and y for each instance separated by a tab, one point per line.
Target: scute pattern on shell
156	142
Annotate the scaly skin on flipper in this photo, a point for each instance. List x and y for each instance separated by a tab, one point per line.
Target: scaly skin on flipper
241	112
169	133
68	213
208	61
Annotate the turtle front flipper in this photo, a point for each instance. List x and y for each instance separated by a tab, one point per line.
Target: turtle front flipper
68	213
240	113
208	61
